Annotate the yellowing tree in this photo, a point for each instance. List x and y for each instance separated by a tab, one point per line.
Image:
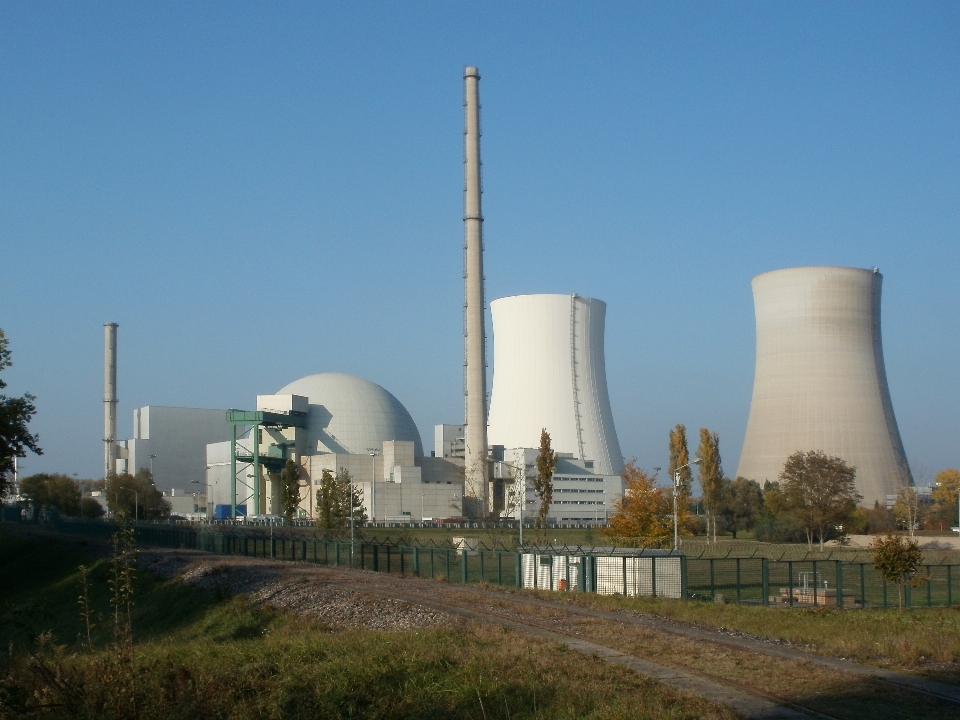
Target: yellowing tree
711	477
679	457
946	489
644	510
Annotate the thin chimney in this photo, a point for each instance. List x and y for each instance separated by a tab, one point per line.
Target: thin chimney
109	398
475	366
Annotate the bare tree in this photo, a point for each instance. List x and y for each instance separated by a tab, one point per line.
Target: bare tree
908	508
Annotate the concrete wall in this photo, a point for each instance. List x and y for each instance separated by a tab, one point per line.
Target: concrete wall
820	382
178	437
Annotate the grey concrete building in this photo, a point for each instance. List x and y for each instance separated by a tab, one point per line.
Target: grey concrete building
820	382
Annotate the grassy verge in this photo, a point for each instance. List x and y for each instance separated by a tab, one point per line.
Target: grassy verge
197	655
925	640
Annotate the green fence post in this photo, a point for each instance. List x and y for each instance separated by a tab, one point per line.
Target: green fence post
713	583
416	561
304	550
839	585
884	592
481	565
863	587
499	568
907	599
449	579
790	581
519	569
582	574
765	580
624	575
683	577
388	559
816	581
401	560
653	576
464	570
336	554
376	558
929	588
431	564
738	581
949	588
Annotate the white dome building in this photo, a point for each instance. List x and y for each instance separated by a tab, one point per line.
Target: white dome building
350	415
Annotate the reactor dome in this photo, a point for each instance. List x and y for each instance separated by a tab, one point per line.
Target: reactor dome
348	414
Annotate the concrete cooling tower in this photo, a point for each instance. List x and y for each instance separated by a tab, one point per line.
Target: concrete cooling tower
820	382
549	372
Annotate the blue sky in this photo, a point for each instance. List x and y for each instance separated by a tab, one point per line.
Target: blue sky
257	192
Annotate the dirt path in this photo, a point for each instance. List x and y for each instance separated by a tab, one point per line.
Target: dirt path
755	677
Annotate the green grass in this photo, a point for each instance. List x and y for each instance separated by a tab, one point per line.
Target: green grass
200	655
918	639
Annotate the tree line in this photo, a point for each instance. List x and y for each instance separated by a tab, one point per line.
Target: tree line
813	500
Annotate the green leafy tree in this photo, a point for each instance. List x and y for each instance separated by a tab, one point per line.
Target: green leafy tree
820	493
680	457
543	482
15	416
59	492
333	501
90	508
741	504
711	478
290	490
129	495
898	560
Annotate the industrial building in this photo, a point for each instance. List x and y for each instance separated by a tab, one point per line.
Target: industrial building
171	442
820	382
333	421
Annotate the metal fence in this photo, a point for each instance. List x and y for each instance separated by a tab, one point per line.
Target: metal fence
751	580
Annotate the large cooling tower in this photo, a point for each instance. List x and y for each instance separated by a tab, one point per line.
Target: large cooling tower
549	372
820	382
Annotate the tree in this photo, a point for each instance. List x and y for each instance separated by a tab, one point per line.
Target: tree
543	482
898	561
711	477
59	492
129	495
290	490
820	492
908	508
680	458
333	501
644	510
946	489
741	504
15	416
90	508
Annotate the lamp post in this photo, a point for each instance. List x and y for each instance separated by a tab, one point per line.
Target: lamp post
152	456
206	485
136	506
350	490
422	496
373	485
520	490
676	495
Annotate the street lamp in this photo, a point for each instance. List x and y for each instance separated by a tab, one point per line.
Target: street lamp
676	495
152	456
373	485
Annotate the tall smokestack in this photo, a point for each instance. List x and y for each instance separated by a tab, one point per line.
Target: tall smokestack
109	398
475	365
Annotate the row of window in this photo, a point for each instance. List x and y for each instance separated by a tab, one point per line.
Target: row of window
577	479
578	490
578	502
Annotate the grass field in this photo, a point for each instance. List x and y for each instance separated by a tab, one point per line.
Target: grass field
922	640
197	655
